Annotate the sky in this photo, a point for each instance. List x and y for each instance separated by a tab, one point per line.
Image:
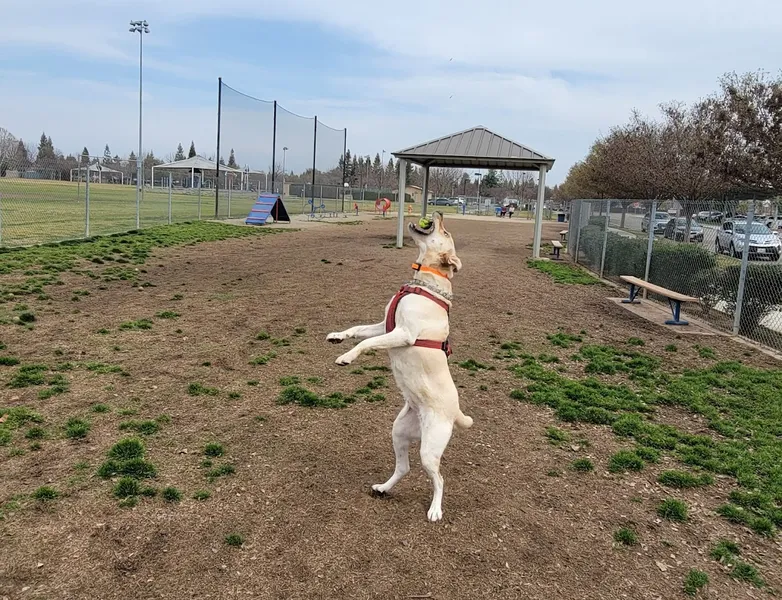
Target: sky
552	76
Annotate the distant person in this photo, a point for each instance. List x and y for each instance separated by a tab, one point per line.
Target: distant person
355	207
511	208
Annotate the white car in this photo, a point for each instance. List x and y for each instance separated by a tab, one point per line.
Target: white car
763	243
661	219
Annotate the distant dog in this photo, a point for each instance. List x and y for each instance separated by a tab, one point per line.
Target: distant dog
415	333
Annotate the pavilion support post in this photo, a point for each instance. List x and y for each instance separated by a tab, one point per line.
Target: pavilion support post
400	224
425	190
539	212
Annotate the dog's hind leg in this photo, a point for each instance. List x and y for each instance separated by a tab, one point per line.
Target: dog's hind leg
407	428
435	434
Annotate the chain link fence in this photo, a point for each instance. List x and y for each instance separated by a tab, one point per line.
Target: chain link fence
727	253
55	200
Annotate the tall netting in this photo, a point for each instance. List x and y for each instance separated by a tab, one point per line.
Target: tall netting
246	133
294	158
330	148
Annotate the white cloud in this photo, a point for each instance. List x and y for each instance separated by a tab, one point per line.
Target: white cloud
551	76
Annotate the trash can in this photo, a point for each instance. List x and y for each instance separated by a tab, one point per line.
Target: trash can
560	217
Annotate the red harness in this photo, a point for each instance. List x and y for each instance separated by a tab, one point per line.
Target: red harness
391	318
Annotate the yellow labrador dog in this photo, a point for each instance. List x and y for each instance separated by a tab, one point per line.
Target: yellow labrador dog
415	333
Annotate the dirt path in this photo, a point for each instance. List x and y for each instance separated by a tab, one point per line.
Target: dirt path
299	496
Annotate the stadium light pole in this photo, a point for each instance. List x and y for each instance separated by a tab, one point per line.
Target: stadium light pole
382	168
140	27
284	150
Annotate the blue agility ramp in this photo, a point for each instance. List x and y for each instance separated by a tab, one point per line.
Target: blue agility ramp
267	205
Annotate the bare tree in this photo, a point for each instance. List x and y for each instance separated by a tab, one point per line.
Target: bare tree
443	181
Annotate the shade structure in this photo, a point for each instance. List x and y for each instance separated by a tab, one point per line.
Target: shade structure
475	148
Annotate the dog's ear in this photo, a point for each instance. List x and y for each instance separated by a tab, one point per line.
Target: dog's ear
451	260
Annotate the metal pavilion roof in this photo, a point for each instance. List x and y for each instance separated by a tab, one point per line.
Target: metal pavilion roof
477	147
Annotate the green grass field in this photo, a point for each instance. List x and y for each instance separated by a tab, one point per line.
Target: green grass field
39	211
36	212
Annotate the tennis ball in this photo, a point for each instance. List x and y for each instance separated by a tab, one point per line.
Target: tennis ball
424	223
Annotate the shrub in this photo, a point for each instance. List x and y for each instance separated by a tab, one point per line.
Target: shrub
626	536
171	494
761	293
127	486
673	510
45	493
695	581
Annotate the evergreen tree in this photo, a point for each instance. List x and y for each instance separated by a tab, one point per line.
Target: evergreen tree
354	171
106	155
377	169
85	155
232	160
45	148
180	153
21	161
222	161
490	180
192	152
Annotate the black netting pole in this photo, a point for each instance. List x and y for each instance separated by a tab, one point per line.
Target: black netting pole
344	168
314	156
217	158
274	147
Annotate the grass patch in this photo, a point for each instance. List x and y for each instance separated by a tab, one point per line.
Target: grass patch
583	465
136	325
234	540
634	341
76	428
104	369
8	361
671	348
562	272
564	340
201	495
263	358
168	314
695	581
221	471
290	380
725	552
625	460
35	433
743	571
100	408
626	536
262	335
214	450
473	365
296	394
673	510
29	375
127	486
171	494
705	352
556	435
198	389
142	427
126	458
682	480
45	494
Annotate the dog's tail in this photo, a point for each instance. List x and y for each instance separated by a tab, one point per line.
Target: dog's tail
463	420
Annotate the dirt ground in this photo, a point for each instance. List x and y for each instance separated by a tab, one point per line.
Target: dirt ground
300	495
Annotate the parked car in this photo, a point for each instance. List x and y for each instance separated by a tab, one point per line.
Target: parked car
441	202
660	221
710	216
763	243
677	228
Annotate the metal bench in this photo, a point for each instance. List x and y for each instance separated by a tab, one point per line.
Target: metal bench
675	299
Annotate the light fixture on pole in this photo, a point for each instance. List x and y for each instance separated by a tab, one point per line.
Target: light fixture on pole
284	150
140	27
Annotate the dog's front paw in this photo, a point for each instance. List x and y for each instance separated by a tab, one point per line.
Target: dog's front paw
435	513
378	490
346	359
335	337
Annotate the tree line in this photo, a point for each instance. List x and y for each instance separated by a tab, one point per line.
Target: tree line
727	146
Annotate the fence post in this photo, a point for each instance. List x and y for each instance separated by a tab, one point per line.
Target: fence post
87	204
580	210
605	235
274	149
169	198
743	273
229	200
344	169
650	243
199	196
1	219
314	156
